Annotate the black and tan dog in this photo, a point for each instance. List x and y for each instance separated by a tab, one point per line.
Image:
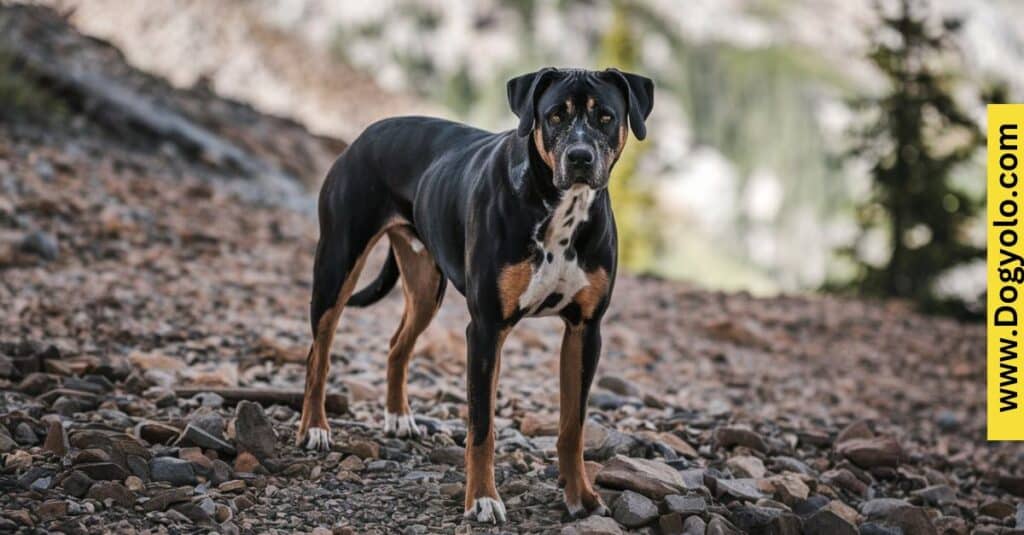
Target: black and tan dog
521	224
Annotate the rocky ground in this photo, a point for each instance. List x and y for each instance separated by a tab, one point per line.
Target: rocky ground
144	290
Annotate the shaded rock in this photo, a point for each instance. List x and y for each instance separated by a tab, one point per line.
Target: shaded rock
997	509
535	424
103	471
855	430
453	455
846	480
156	432
686	505
247	463
42	244
593	525
77	483
672	524
24	435
740	489
653	479
112	490
829	520
603	443
253	430
164	499
618	385
56	439
718	525
195	436
172	470
871	452
694	525
937	495
754	519
729	436
634	510
52	509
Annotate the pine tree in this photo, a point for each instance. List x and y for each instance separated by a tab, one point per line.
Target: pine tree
917	138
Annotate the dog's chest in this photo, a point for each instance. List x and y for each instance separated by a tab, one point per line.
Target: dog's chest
559	276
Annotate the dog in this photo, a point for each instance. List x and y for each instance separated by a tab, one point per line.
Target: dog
520	222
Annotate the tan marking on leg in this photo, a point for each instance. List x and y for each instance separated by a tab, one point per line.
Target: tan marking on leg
590	295
548	157
420	282
480	459
579	494
512	282
318	360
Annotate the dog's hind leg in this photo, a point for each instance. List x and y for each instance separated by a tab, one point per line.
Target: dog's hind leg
423	286
339	260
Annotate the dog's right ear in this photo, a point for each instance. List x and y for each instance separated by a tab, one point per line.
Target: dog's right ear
522	93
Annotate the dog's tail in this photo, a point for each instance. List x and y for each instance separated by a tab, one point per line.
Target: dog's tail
376	290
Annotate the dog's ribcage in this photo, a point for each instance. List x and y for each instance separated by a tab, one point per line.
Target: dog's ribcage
559	276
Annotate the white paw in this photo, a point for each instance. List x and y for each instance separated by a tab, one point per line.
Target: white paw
401	425
318	438
578	511
487	510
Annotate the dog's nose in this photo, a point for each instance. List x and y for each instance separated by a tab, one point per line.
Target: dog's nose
580	157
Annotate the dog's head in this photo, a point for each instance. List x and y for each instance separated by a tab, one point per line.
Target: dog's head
578	119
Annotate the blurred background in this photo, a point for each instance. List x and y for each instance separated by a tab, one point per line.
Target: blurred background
795	145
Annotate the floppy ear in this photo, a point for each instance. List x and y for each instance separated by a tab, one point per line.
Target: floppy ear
639	91
522	92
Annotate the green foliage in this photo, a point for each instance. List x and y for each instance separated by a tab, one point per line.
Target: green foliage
632	202
915	141
23	97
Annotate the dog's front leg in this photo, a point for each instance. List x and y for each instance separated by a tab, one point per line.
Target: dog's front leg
581	348
484	340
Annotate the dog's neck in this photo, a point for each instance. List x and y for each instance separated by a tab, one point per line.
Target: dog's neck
531	177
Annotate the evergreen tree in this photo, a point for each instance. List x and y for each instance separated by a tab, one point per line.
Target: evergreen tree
917	137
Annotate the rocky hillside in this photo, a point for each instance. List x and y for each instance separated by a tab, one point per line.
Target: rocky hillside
152	347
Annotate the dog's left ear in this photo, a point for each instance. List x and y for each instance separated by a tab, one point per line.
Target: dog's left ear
639	91
522	93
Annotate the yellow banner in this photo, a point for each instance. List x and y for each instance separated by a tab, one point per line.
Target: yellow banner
1005	271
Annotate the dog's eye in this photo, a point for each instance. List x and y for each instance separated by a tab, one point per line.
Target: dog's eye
605	118
555	118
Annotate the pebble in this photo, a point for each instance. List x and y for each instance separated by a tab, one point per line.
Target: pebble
730	436
593	525
746	466
686	505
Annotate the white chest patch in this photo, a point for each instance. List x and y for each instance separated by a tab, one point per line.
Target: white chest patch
559	276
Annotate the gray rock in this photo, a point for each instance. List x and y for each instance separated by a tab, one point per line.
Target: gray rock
825	520
24	434
1019	517
593	525
172	470
740	489
618	385
194	436
634	510
208	420
936	494
41	244
209	399
755	519
648	477
253	430
881	507
686	505
7	443
720	526
694	525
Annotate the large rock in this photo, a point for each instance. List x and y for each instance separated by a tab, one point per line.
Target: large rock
634	510
754	519
871	452
746	466
686	505
113	491
172	470
253	430
653	479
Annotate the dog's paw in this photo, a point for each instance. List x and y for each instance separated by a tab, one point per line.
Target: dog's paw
596	507
317	439
486	510
401	425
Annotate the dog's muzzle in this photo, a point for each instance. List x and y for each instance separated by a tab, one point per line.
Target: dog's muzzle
580	167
